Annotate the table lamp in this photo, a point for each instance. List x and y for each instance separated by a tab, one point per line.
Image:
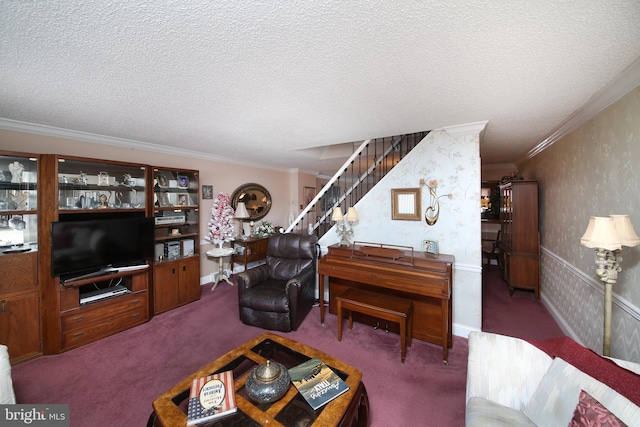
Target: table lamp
240	214
344	224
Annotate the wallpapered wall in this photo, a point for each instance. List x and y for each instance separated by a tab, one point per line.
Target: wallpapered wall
452	158
593	171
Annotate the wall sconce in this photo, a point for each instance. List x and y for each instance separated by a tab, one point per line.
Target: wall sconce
607	235
344	224
432	213
241	213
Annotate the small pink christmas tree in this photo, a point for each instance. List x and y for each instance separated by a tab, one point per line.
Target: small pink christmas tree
221	225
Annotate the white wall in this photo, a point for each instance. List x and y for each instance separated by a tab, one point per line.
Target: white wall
451	156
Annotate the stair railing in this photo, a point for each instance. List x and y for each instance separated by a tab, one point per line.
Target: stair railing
367	178
324	189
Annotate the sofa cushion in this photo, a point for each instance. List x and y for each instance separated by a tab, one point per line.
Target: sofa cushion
7	395
591	413
482	413
504	369
555	399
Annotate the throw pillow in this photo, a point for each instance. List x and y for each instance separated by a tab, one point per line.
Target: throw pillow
557	395
605	370
591	413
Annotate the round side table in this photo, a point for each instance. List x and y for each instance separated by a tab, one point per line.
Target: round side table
220	253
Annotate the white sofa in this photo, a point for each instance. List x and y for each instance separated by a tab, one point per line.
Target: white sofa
511	382
7	395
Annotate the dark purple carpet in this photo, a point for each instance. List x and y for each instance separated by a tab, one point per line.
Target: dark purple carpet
113	382
519	315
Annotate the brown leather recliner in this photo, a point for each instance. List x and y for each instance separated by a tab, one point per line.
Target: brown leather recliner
279	294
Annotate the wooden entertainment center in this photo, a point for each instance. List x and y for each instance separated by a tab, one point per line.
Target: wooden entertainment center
46	312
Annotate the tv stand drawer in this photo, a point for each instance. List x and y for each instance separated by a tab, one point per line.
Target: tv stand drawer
97	321
100	311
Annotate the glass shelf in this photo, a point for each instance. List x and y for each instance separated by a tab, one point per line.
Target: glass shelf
88	186
18	200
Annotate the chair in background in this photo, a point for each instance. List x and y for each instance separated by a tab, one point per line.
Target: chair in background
490	249
279	294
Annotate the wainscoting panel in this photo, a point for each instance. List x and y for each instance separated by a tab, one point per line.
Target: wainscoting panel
576	300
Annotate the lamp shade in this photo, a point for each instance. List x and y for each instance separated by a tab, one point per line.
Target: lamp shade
352	215
601	233
337	215
241	211
625	231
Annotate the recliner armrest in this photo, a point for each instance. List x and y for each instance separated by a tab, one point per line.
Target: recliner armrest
306	276
252	277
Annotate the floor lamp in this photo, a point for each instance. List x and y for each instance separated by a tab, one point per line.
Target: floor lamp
607	235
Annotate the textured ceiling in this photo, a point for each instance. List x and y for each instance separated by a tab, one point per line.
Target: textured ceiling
260	80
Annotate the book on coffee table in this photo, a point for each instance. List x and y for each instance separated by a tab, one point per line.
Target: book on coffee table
211	397
317	382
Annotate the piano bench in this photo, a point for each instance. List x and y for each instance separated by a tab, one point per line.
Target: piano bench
382	306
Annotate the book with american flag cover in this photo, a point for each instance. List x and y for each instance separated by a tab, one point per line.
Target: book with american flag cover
211	397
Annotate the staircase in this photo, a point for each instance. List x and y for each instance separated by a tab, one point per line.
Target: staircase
373	159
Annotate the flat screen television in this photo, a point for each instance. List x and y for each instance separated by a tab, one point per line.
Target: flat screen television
83	247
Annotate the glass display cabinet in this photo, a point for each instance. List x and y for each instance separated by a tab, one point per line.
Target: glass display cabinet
18	202
19	290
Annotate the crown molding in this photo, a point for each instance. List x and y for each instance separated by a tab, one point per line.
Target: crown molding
626	81
37	129
466	129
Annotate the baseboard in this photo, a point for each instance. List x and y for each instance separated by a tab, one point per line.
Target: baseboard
463	330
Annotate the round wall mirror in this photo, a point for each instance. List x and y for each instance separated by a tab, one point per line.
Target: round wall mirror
256	199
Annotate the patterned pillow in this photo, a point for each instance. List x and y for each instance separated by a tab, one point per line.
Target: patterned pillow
591	413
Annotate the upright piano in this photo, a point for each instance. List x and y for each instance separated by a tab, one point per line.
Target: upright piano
424	278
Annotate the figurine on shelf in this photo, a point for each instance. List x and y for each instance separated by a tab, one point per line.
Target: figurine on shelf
16	169
82	179
17	223
127	180
103	201
103	178
21	200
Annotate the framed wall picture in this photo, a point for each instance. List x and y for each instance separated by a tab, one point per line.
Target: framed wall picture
207	191
309	194
430	247
183	181
406	204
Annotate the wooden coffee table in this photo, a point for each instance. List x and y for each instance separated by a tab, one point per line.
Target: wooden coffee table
349	409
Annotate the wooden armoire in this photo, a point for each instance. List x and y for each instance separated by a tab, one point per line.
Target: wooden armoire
519	258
